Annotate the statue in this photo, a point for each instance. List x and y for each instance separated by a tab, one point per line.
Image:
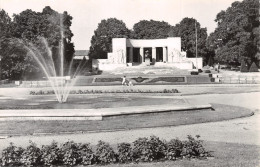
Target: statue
176	56
147	57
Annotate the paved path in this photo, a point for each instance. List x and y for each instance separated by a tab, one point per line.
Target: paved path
244	130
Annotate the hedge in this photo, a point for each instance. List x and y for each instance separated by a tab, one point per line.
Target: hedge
49	92
253	68
194	73
71	153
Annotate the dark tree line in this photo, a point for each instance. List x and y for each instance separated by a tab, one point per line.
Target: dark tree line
236	37
112	28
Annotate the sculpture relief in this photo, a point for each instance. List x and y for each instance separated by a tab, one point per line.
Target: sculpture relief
120	56
176	56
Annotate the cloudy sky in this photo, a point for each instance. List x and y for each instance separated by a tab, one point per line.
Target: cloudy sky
88	13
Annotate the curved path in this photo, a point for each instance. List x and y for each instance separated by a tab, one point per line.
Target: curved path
243	130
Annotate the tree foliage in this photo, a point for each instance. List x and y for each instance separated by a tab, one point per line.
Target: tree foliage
101	41
152	29
5	24
5	27
28	28
237	33
186	30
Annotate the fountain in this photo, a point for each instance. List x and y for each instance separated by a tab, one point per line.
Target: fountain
60	83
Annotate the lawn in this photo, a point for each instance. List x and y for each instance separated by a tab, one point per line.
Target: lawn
174	118
85	102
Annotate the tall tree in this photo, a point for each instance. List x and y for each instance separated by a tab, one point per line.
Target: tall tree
152	29
236	37
186	30
101	41
5	24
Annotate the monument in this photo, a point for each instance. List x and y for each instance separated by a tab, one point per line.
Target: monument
161	52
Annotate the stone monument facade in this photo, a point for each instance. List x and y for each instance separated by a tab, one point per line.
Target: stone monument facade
163	52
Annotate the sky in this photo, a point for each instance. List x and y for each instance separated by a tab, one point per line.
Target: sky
88	13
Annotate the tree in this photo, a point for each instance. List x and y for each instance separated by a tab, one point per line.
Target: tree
152	29
186	30
237	33
28	30
5	24
5	27
101	41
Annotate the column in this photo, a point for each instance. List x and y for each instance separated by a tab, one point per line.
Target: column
131	55
141	55
153	55
164	54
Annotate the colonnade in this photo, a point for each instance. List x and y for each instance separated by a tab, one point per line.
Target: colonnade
141	53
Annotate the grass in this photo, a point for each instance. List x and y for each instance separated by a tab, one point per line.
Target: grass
221	112
85	102
225	155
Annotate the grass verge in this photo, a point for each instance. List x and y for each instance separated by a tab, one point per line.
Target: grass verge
175	118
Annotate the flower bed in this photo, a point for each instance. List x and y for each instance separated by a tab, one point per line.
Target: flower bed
49	92
71	153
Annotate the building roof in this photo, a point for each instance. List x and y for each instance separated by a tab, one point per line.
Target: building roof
80	54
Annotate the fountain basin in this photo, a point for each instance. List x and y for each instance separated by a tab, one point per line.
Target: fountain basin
91	114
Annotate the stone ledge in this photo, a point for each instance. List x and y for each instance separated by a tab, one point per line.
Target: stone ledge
90	114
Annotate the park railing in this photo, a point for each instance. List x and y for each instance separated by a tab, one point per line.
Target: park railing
240	80
36	84
7	83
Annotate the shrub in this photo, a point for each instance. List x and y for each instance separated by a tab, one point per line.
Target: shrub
194	73
70	153
148	150
158	147
40	92
253	68
105	153
125	153
32	93
244	66
142	150
175	91
193	148
87	155
165	91
50	92
51	154
80	92
31	156
11	156
174	149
